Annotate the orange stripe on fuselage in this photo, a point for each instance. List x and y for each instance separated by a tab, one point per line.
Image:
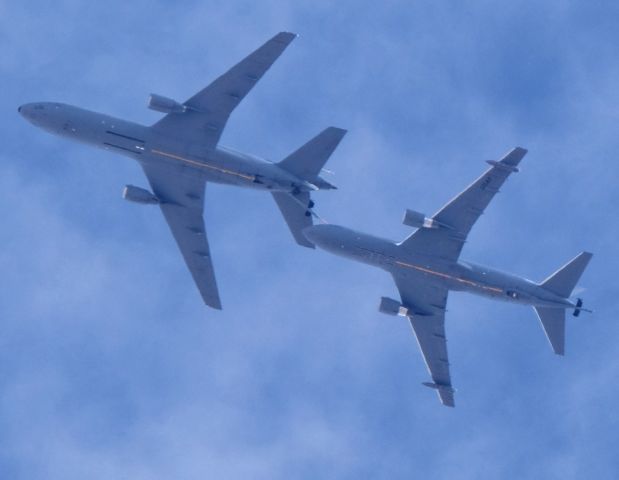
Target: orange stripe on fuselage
194	163
449	277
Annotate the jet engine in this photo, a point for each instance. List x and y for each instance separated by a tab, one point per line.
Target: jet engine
139	195
392	307
165	104
419	220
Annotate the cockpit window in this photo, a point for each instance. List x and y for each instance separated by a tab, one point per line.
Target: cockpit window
38	106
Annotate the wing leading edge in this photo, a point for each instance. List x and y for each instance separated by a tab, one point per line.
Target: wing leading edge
208	110
461	213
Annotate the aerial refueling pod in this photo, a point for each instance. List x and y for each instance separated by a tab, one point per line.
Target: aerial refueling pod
392	307
165	104
139	195
419	220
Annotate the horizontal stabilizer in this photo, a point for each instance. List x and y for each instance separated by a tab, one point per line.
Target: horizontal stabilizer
563	281
553	323
297	214
308	160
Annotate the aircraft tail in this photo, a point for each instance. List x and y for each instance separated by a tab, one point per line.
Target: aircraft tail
307	162
563	281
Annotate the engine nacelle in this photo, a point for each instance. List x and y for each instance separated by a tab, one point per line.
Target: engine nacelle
139	195
392	307
165	104
419	220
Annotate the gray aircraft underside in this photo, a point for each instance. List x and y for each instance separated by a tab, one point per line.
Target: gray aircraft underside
181	153
426	266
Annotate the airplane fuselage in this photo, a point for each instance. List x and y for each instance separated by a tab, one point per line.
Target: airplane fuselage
146	145
460	276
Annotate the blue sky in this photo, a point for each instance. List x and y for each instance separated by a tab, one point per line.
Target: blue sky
110	366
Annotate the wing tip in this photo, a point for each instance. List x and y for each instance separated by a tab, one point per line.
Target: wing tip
514	156
447	399
337	131
445	392
285	37
214	303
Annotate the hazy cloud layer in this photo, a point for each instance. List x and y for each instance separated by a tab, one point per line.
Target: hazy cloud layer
110	367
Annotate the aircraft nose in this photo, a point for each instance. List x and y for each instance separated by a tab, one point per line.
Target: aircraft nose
33	112
25	110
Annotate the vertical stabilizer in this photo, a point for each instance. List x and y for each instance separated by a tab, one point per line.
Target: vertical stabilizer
553	323
563	281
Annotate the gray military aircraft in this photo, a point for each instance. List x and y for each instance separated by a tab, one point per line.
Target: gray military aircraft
425	267
181	152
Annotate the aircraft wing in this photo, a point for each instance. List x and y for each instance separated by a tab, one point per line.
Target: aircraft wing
208	110
426	312
460	214
181	198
